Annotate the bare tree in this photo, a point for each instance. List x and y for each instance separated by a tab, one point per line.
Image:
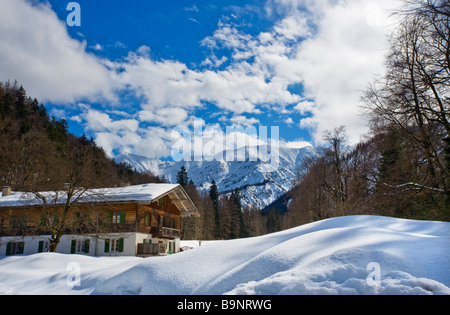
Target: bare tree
414	95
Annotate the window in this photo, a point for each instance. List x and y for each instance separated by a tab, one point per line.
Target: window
15	248
172	223
80	247
162	201
44	246
114	245
17	221
116	217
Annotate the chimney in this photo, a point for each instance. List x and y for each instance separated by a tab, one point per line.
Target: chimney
6	191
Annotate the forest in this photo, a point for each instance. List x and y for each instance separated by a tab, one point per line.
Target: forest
37	152
401	169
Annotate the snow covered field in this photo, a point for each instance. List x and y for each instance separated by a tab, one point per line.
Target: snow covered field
347	255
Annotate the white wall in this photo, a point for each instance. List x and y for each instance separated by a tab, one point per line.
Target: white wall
96	244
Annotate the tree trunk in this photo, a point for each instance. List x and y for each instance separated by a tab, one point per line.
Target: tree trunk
54	241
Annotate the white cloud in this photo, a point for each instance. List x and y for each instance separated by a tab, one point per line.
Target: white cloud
345	50
170	116
36	49
289	121
332	47
99	121
305	107
244	121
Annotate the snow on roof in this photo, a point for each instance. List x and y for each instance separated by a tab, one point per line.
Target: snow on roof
145	193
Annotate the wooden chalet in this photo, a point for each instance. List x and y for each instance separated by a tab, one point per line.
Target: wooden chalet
140	220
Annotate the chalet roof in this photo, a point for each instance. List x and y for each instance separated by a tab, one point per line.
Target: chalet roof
140	193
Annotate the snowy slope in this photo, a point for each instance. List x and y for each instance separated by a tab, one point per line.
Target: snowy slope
326	257
257	187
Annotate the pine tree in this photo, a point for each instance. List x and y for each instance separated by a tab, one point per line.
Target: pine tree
182	177
237	219
214	195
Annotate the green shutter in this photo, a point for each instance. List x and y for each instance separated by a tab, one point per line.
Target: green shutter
12	221
43	219
76	217
86	246
146	219
73	246
107	246
8	249
108	217
23	222
121	243
122	217
21	247
162	201
41	247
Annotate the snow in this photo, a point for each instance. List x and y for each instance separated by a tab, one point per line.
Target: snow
346	255
138	193
258	187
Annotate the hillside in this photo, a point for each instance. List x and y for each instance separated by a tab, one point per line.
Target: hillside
258	188
363	255
38	152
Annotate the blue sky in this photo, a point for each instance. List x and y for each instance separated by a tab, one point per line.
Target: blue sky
135	70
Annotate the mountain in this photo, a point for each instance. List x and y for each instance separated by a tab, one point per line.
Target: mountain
258	187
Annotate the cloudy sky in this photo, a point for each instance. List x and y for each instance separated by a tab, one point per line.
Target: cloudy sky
135	70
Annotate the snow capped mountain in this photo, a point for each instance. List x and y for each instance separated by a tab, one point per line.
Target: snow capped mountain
258	187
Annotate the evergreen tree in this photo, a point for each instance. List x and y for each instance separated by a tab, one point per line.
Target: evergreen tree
182	177
237	219
214	196
273	223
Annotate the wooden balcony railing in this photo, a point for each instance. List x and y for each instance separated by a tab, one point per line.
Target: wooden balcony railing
165	232
151	249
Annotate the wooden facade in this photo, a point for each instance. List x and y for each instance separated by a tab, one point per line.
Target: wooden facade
154	224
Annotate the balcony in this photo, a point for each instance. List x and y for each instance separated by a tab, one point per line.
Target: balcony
150	249
165	232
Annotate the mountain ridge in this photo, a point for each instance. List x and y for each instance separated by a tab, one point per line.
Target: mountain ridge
258	187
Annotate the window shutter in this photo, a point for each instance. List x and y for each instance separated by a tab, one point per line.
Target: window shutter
43	219
55	219
107	246
21	247
12	221
86	246
122	217
146	219
76	217
23	222
8	249
73	246
108	217
41	247
121	243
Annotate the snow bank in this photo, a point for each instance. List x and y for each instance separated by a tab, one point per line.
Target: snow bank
348	255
